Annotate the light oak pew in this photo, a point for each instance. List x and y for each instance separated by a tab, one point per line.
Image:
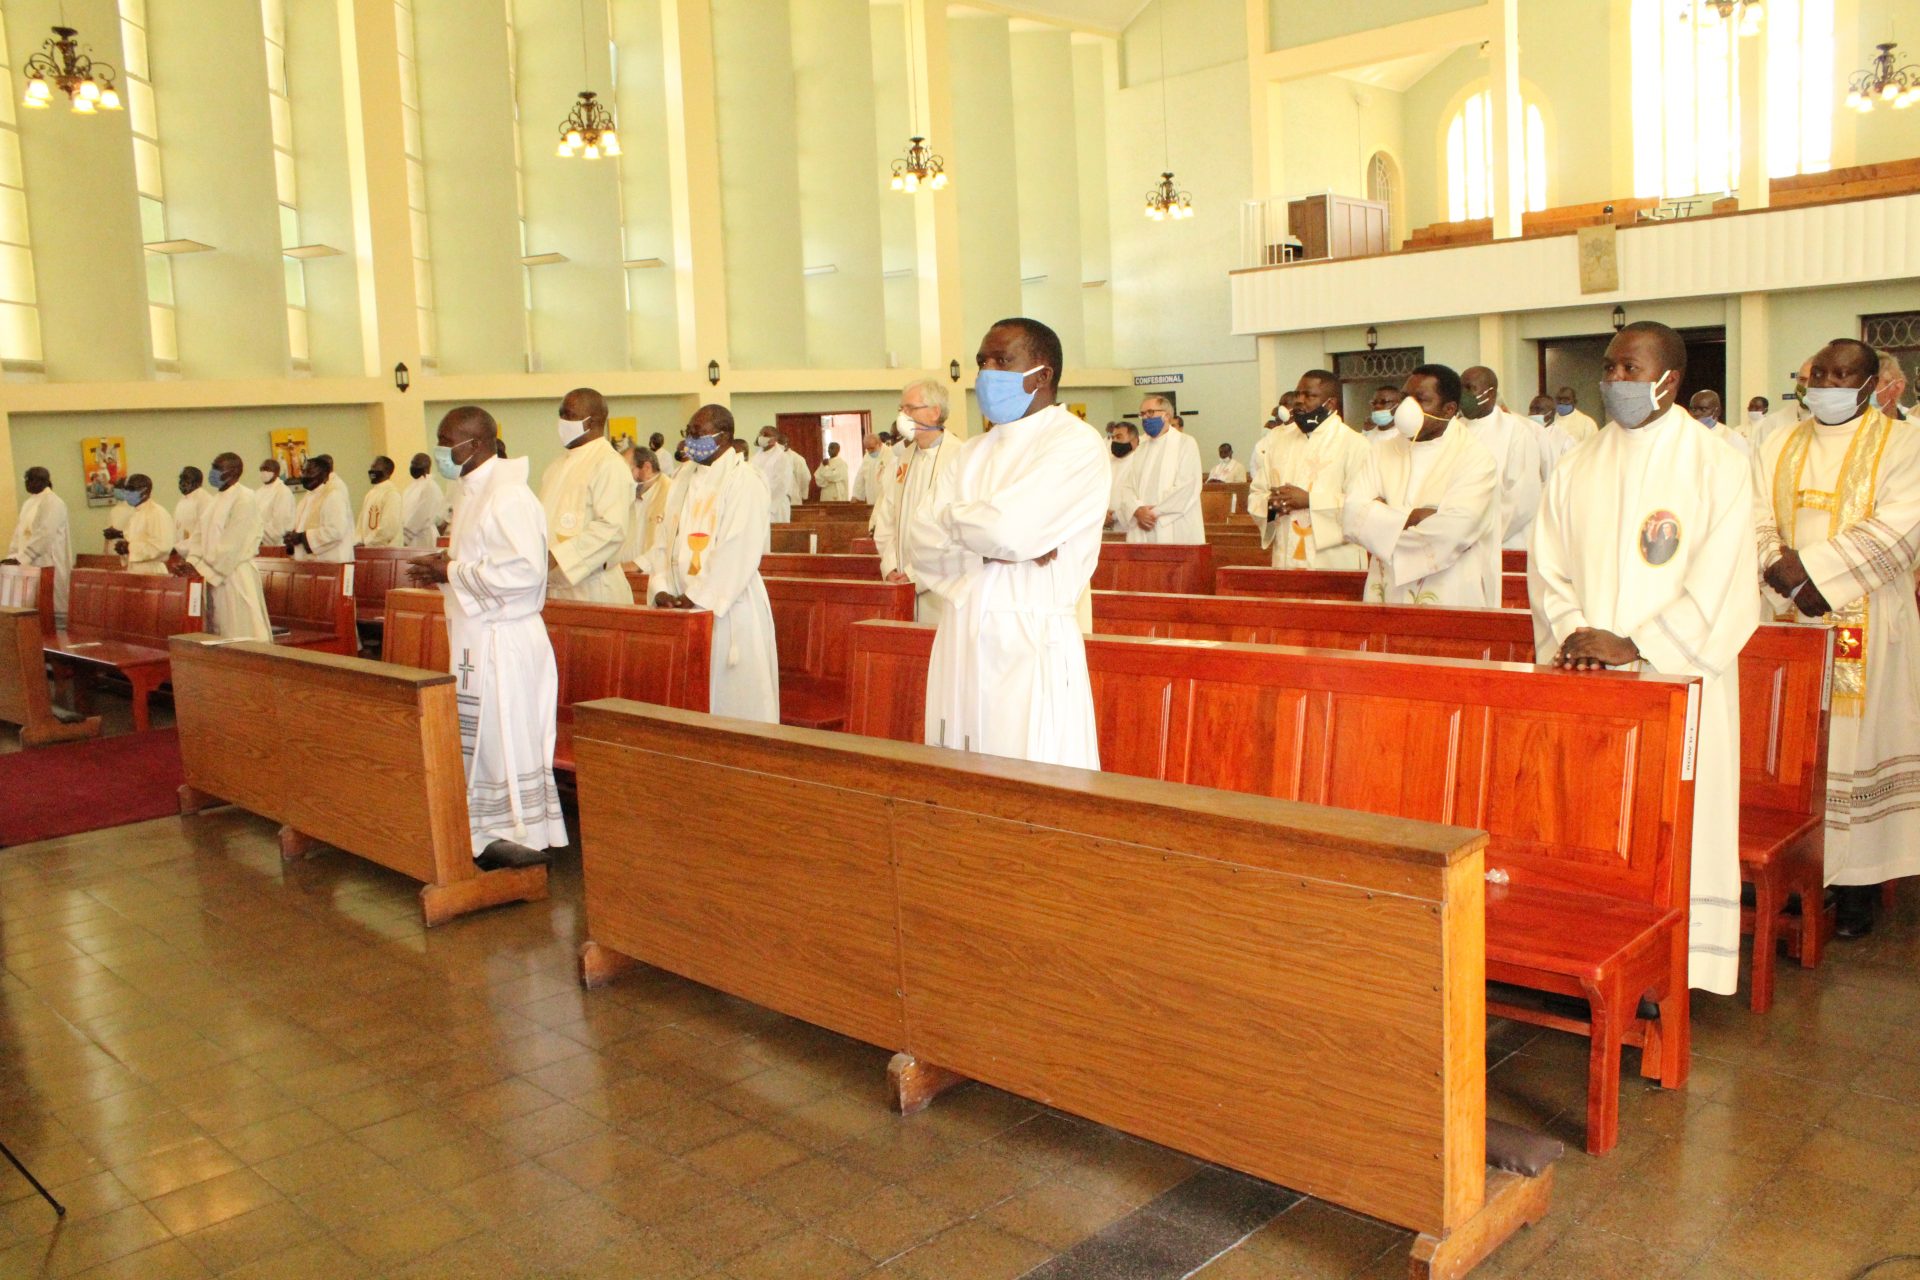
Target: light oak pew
1330	584
24	699
1784	677
25	586
1127	951
118	624
599	650
1581	780
791	539
310	604
1186	569
363	756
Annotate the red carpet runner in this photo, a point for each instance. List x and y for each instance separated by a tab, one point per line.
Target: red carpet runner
88	786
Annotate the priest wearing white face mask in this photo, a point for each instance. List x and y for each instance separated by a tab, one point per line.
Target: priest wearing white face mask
1757	409
1282	414
588	497
1299	493
276	502
832	476
1514	447
912	544
1427	503
771	464
1553	439
866	480
1644	555
1838	509
1159	497
1228	470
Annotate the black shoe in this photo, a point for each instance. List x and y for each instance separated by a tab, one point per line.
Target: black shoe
1853	909
502	854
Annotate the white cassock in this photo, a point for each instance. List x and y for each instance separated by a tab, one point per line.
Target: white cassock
326	517
1228	472
118	517
1580	426
507	686
149	533
424	507
1649	534
1116	477
771	466
866	483
714	533
832	479
1008	675
1452	557
1165	476
223	553
1326	463
1516	451
910	538
383	520
276	511
798	477
41	538
1847	497
1554	444
649	513
588	496
1790	414
1726	435
186	519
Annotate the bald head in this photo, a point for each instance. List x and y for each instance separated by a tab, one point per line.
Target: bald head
419	465
587	407
1480	388
471	434
39	480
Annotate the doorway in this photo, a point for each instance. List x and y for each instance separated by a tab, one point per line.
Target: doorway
1577	362
1362	373
809	434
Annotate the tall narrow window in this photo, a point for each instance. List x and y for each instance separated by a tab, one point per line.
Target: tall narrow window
1686	101
520	188
1800	106
144	123
1471	159
273	16
19	309
416	185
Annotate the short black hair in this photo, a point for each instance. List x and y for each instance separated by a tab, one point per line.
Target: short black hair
1042	341
1448	380
1322	375
186	473
1865	352
1673	347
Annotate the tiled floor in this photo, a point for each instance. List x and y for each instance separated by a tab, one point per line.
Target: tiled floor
230	1067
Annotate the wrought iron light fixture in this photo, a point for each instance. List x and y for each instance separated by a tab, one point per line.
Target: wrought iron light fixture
1883	82
62	64
1166	200
401	378
1746	13
919	168
588	130
953	370
1619	319
713	373
1373	338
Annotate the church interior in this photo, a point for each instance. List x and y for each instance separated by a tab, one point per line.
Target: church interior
1370	947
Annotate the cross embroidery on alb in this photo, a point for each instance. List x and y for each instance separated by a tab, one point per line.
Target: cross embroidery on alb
466	668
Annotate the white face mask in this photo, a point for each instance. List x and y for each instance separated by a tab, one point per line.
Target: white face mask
1283	416
1835	405
904	426
1538	418
569	431
1409	418
267	477
1754	415
766	442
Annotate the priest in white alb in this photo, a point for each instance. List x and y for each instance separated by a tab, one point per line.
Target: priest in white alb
773	464
1302	478
1644	557
494	573
223	555
148	540
832	476
708	557
1025	503
323	522
913	545
1228	470
1838	510
1427	505
424	506
186	513
1515	449
276	503
1158	499
588	496
382	521
873	462
41	536
1567	412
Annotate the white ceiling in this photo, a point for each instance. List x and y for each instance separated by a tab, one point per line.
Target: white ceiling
1400	74
1110	16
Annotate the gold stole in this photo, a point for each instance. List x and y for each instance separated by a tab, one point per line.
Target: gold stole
1851	502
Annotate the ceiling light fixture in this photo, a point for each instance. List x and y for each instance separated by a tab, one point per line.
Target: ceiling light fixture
1166	200
919	167
62	64
588	131
1883	82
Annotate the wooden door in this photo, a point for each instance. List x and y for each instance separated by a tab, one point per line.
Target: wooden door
808	435
803	437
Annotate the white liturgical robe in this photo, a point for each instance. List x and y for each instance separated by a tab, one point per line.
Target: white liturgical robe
1165	476
149	533
909	536
587	494
1326	462
1008	675
1579	425
223	554
866	483
799	478
424	508
41	537
1853	493
382	520
276	510
715	532
1648	533
1554	444
1453	556
507	686
777	476
325	516
832	479
1516	451
1227	471
186	519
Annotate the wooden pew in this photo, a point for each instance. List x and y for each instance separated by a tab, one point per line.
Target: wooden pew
118	623
1151	567
1580	780
273	551
792	539
1441	234
1784	674
310	604
776	565
362	756
600	650
1330	584
1127	951
376	571
29	587
1513	562
1221	502
99	560
1598	213
812	625
23	683
864	546
832	512
1887	178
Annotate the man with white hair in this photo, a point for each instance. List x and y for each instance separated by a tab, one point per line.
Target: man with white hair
773	463
1893	385
913	544
1158	500
1791	413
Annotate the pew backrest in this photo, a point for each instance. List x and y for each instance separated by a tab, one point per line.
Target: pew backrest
778	565
312	600
25	586
813	631
1329	584
136	608
98	560
378	570
1186	569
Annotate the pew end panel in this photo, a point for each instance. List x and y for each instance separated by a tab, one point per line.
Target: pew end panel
25	586
24	699
310	604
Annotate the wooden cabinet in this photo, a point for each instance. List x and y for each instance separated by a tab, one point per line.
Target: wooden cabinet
1336	226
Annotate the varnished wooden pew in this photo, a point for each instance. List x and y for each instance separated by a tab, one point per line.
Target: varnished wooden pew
834	512
1127	951
1513	562
1580	779
118	623
23	683
1153	567
1330	584
777	565
99	560
255	720
25	586
376	571
600	651
1784	677
310	604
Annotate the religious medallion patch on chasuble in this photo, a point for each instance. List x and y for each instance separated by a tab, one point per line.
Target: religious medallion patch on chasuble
1659	537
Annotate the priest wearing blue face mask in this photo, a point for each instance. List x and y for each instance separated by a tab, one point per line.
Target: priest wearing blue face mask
1158	500
1643	557
1024	504
1705	408
147	539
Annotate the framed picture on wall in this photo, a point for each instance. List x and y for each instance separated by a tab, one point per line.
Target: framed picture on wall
623	433
1078	410
290	450
103	461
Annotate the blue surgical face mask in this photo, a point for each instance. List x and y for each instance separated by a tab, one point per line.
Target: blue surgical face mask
1003	393
1563	408
1381	417
702	448
1153	425
132	497
1539	419
443	461
216	480
1709	420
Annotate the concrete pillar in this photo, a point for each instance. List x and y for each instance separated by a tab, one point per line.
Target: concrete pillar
1509	118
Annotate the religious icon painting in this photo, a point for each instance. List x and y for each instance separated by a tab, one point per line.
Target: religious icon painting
1659	537
1078	410
290	450
623	433
103	461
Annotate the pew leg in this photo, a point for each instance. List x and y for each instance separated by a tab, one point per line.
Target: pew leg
1815	924
440	903
600	965
916	1083
1603	1066
1767	894
143	687
1513	1201
193	800
46	732
1676	1018
294	845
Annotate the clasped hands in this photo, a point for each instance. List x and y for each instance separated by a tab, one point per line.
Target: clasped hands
1790	578
428	569
1287	498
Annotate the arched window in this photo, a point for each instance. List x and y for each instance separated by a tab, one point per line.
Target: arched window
1470	159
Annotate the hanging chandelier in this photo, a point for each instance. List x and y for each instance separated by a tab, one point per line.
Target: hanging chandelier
1748	13
919	168
1168	201
1883	82
62	64
588	131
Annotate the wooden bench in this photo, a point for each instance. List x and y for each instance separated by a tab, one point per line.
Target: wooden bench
362	756
1330	584
1441	234
118	623
1126	951
817	537
812	625
1153	567
600	651
99	560
834	513
310	604
376	571
776	565
1784	676
1513	562
1597	213
24	586
1580	779
23	683
1221	502
1887	178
